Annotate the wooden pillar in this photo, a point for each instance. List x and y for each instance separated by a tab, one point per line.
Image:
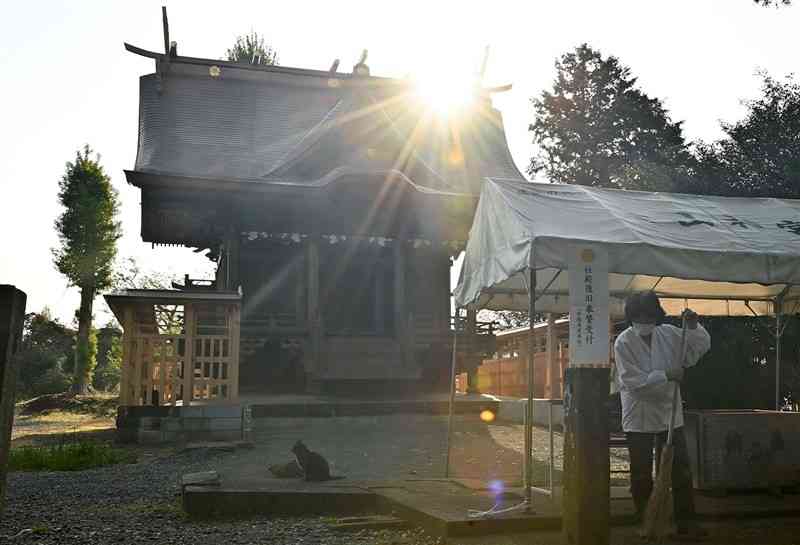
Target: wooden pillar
232	250
190	325
472	358
586	499
136	346
12	317
234	336
401	317
553	379
313	314
126	378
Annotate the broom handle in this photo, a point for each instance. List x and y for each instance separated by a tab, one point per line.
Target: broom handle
677	385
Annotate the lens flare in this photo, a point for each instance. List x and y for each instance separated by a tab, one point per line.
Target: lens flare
487	416
496	487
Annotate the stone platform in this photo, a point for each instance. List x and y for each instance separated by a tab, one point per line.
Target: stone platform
166	424
319	406
443	506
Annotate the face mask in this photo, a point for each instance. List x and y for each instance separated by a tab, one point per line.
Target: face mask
643	330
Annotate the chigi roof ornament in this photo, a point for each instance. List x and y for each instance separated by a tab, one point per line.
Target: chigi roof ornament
361	68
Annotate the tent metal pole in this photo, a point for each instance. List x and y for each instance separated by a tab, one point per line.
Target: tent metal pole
529	405
452	397
778	336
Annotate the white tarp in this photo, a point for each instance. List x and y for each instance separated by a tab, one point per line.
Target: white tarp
719	255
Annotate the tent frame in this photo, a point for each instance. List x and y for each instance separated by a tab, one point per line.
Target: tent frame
532	294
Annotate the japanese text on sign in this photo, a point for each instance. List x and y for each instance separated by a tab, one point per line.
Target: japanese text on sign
589	301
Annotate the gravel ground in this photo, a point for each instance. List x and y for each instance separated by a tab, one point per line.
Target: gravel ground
402	447
138	503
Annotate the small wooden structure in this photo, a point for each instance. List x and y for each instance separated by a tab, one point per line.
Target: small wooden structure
179	347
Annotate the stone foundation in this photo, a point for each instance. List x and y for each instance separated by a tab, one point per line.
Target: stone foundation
141	424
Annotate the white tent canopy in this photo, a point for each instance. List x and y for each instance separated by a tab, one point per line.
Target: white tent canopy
721	256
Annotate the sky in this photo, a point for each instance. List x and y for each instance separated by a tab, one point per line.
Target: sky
67	81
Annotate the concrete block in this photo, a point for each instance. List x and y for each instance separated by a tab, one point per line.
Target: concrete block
149	437
189	412
202	478
171	436
222	411
149	423
224	424
172	424
196	424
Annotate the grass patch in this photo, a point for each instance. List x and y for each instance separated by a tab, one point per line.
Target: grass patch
67	457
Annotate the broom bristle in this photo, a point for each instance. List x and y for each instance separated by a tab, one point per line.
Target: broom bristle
658	515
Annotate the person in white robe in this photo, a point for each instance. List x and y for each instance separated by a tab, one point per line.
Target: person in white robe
647	367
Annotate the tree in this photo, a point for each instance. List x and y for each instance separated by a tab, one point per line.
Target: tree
109	358
597	128
251	49
760	154
129	275
46	354
88	234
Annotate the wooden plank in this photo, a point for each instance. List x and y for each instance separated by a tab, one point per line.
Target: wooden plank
233	347
400	314
188	353
313	311
128	332
553	389
12	317
587	498
137	350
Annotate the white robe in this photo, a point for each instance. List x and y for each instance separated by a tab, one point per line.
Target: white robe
641	379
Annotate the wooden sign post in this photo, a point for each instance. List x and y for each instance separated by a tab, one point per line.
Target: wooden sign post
12	316
587	493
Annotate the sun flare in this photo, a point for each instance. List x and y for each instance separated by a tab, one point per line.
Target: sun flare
445	93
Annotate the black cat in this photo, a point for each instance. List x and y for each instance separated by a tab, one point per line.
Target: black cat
315	467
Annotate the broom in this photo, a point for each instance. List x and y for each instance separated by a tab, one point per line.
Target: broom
658	515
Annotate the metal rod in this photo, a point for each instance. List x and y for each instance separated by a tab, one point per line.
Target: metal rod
531	380
452	397
552	456
778	336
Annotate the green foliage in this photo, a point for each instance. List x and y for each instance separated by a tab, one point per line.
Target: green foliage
597	128
760	155
87	229
109	360
252	49
66	456
776	3
88	233
46	356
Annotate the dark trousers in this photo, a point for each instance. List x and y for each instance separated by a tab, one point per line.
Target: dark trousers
640	446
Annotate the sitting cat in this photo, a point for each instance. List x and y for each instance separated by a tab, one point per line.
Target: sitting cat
315	467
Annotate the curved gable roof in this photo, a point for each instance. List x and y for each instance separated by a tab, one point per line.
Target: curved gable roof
303	127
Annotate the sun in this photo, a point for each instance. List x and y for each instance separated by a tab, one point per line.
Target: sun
445	93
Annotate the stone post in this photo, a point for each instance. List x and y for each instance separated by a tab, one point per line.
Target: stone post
587	495
12	316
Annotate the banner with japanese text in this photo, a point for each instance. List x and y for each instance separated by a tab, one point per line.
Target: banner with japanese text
588	309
